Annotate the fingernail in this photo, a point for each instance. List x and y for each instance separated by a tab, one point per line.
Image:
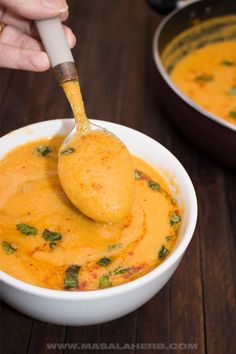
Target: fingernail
59	5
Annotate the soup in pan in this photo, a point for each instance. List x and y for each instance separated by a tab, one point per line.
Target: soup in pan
46	241
208	76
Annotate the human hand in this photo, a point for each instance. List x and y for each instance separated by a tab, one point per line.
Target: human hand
20	46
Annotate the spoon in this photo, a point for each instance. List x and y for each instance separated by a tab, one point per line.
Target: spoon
94	166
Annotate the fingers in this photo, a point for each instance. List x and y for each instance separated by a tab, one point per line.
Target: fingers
18	50
28	27
14	37
19	44
70	36
24	59
10	18
37	9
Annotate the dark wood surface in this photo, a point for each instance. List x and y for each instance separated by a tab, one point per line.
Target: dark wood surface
118	79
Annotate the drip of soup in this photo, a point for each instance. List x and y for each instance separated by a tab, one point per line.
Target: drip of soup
46	241
95	167
208	76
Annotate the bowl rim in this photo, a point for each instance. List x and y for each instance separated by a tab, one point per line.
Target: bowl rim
175	255
170	83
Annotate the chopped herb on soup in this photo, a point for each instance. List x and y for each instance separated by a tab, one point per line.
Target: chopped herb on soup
8	247
227	63
204	78
154	185
175	219
68	151
114	246
232	114
43	150
104	282
137	175
71	277
169	237
163	252
232	91
119	270
51	237
103	262
26	229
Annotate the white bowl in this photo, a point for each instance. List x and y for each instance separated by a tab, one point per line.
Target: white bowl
93	307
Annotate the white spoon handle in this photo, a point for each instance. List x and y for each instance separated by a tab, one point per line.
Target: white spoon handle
57	48
54	40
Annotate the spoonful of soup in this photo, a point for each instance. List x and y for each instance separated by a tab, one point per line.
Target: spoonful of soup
95	167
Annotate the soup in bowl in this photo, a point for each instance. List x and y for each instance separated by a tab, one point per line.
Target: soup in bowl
80	281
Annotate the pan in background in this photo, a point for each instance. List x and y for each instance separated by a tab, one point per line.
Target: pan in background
204	22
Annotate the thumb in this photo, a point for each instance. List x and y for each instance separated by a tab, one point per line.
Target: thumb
36	9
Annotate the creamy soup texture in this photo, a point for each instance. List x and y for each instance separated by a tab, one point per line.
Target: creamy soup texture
208	76
95	167
48	242
96	172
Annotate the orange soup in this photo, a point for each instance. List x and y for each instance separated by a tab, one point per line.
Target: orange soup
46	241
208	76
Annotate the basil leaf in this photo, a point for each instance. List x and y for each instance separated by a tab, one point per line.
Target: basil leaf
43	150
169	237
204	78
232	91
51	237
137	175
103	262
68	151
163	252
227	63
175	219
114	246
8	247
154	185
26	229
119	270
104	281
232	114
71	277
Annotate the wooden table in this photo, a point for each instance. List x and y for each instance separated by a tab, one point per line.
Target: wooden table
118	80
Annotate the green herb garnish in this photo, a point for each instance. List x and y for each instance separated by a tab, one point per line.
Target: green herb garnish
175	219
232	114
51	237
119	270
8	247
169	237
26	229
71	277
43	150
232	91
137	175
114	246
204	78
227	63
163	252
68	151
103	262
104	282
154	185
